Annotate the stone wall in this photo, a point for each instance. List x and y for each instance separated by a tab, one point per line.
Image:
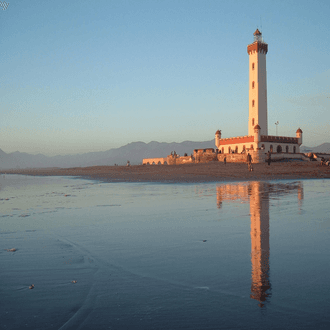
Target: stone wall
205	157
258	156
283	155
184	160
154	161
232	158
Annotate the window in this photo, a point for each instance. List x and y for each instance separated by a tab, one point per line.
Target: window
252	84
229	150
294	149
252	66
253	103
287	149
271	148
279	149
236	150
252	121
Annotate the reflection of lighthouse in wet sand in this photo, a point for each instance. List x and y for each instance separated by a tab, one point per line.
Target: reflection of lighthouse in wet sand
258	195
259	209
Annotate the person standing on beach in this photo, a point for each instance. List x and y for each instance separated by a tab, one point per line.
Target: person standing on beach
249	161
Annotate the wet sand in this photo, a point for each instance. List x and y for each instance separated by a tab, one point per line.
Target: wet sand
162	256
208	172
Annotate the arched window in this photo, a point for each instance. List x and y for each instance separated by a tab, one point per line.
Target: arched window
271	148
222	150
252	84
229	150
279	149
252	66
253	103
236	150
252	121
251	147
287	149
294	149
244	148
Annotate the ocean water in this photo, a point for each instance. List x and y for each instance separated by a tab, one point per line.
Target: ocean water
244	255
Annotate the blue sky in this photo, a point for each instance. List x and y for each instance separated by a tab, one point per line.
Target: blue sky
80	76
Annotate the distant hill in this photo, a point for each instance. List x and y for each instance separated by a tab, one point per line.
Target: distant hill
305	149
322	148
134	152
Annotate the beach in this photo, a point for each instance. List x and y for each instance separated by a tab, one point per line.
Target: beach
86	254
208	172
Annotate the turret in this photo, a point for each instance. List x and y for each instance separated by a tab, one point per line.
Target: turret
299	136
257	129
217	138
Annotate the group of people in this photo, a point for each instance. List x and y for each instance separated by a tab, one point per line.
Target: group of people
325	162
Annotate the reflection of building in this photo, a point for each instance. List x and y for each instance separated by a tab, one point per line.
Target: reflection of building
259	210
258	195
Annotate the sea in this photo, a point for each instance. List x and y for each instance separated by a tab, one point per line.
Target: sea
87	254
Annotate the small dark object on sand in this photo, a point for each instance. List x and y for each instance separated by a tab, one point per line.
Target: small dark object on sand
204	240
11	250
31	286
74	281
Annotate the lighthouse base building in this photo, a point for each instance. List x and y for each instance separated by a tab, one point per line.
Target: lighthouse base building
257	143
258	146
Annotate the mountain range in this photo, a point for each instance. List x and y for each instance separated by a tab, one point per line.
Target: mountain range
134	152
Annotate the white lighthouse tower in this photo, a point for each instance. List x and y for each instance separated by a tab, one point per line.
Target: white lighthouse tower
257	84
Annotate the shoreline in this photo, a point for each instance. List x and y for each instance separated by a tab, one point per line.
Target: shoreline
188	173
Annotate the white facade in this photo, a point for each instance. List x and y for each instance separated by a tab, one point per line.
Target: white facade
257	85
258	141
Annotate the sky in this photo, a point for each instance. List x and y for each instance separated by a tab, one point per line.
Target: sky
80	76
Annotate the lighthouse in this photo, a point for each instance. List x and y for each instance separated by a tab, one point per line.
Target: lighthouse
257	84
258	142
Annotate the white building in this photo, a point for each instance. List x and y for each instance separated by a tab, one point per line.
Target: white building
258	142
